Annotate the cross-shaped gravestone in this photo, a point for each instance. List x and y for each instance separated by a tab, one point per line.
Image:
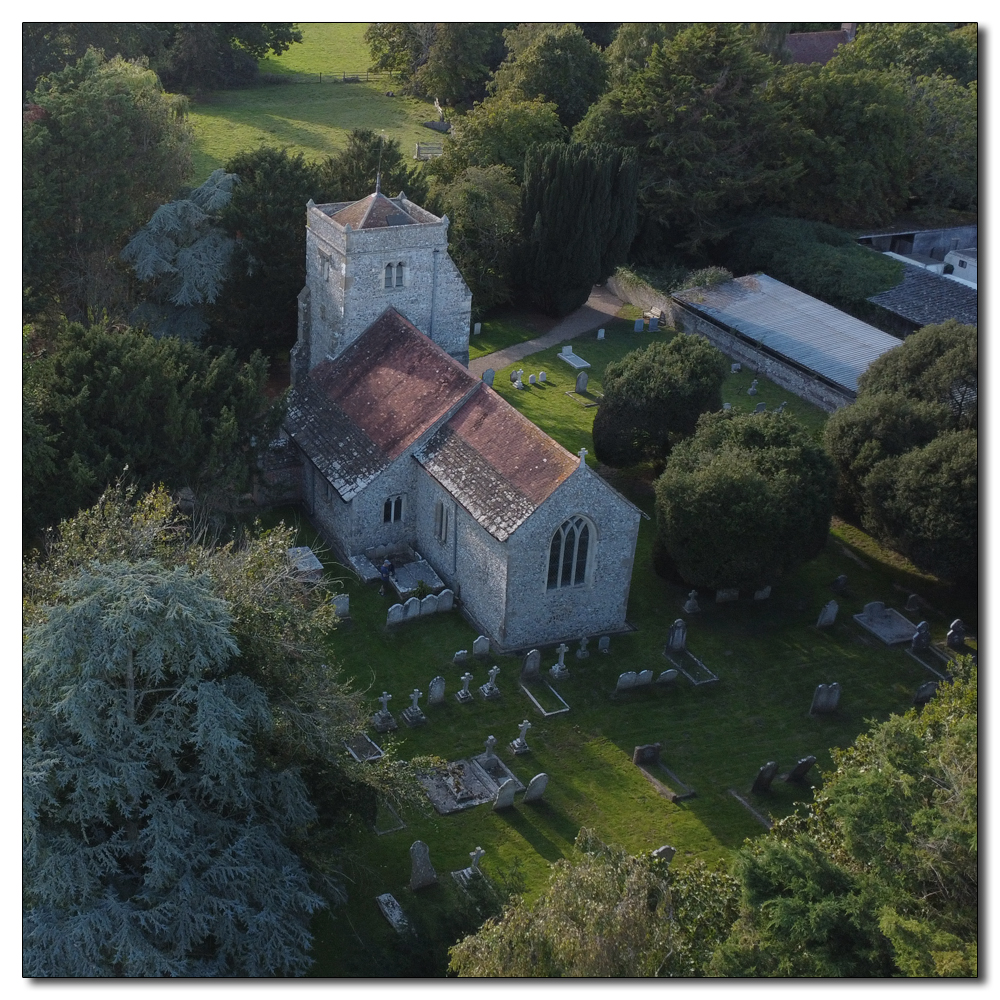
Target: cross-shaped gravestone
525	726
414	698
752	391
385	699
691	604
581	653
465	694
491	742
493	671
583	455
562	649
520	745
476	855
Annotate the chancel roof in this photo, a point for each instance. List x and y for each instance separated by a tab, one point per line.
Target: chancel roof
496	463
355	415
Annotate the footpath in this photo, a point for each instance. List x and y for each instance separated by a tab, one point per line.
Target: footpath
601	307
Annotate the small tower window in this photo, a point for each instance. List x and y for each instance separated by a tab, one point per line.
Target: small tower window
399	275
388	275
440	522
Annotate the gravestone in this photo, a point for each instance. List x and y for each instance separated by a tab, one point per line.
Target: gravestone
532	665
581	383
763	594
581	653
536	788
798	772
488	376
921	638
639	326
956	635
760	408
644	678
925	692
762	783
873	609
752	391
667	677
726	594
393	912
514	377
665	853
826	698
520	744
648	753
691	604
519	384
828	615
435	691
677	639
735	367
422	872
781	409
505	795
559	670
446	600
839	586
341	605
413	716
489	690
395	614
491	745
460	658
913	603
477	329
382	720
411	609
654	324
429	604
542	377
532	380
465	695
626	681
727	406
604	643
481	647
600	334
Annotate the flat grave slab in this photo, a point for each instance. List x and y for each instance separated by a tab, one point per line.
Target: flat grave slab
886	623
305	564
573	360
410	574
393	912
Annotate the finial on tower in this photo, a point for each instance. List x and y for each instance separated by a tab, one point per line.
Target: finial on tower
583	457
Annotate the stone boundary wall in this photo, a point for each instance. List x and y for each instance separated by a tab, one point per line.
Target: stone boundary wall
807	387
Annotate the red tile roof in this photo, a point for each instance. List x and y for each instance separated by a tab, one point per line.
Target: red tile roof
374	212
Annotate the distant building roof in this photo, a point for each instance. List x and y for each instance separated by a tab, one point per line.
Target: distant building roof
496	463
809	333
355	415
924	297
815	46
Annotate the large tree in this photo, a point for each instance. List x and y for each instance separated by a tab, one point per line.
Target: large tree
654	397
98	400
709	141
103	146
155	842
578	217
351	173
606	914
554	63
744	501
880	877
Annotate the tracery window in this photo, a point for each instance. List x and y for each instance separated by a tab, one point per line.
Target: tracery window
570	554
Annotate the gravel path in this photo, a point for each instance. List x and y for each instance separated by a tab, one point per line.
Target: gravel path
598	309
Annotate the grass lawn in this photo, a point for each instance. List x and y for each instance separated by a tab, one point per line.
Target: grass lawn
506	328
305	115
768	656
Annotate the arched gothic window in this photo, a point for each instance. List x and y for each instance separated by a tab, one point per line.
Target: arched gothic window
388	275
570	554
399	275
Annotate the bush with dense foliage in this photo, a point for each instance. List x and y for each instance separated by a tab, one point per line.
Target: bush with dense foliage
653	398
744	501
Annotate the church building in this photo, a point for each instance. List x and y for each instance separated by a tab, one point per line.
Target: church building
402	449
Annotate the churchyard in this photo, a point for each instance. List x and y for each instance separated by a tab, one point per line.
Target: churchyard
765	708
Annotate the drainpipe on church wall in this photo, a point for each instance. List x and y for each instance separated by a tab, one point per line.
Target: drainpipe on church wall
434	285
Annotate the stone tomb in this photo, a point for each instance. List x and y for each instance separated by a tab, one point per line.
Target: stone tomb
573	360
305	564
887	623
422	872
468	782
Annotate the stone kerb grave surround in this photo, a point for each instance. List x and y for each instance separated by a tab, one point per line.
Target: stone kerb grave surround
683	659
362	748
466	783
926	653
414	607
886	623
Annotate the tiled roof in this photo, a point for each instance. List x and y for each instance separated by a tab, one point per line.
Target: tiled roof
375	212
496	463
356	414
815	46
924	297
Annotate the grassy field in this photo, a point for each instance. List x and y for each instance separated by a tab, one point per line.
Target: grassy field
304	114
768	656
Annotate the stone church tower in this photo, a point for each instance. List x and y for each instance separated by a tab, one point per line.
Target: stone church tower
367	256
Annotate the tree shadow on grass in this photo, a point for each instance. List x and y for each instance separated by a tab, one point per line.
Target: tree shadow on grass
521	821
